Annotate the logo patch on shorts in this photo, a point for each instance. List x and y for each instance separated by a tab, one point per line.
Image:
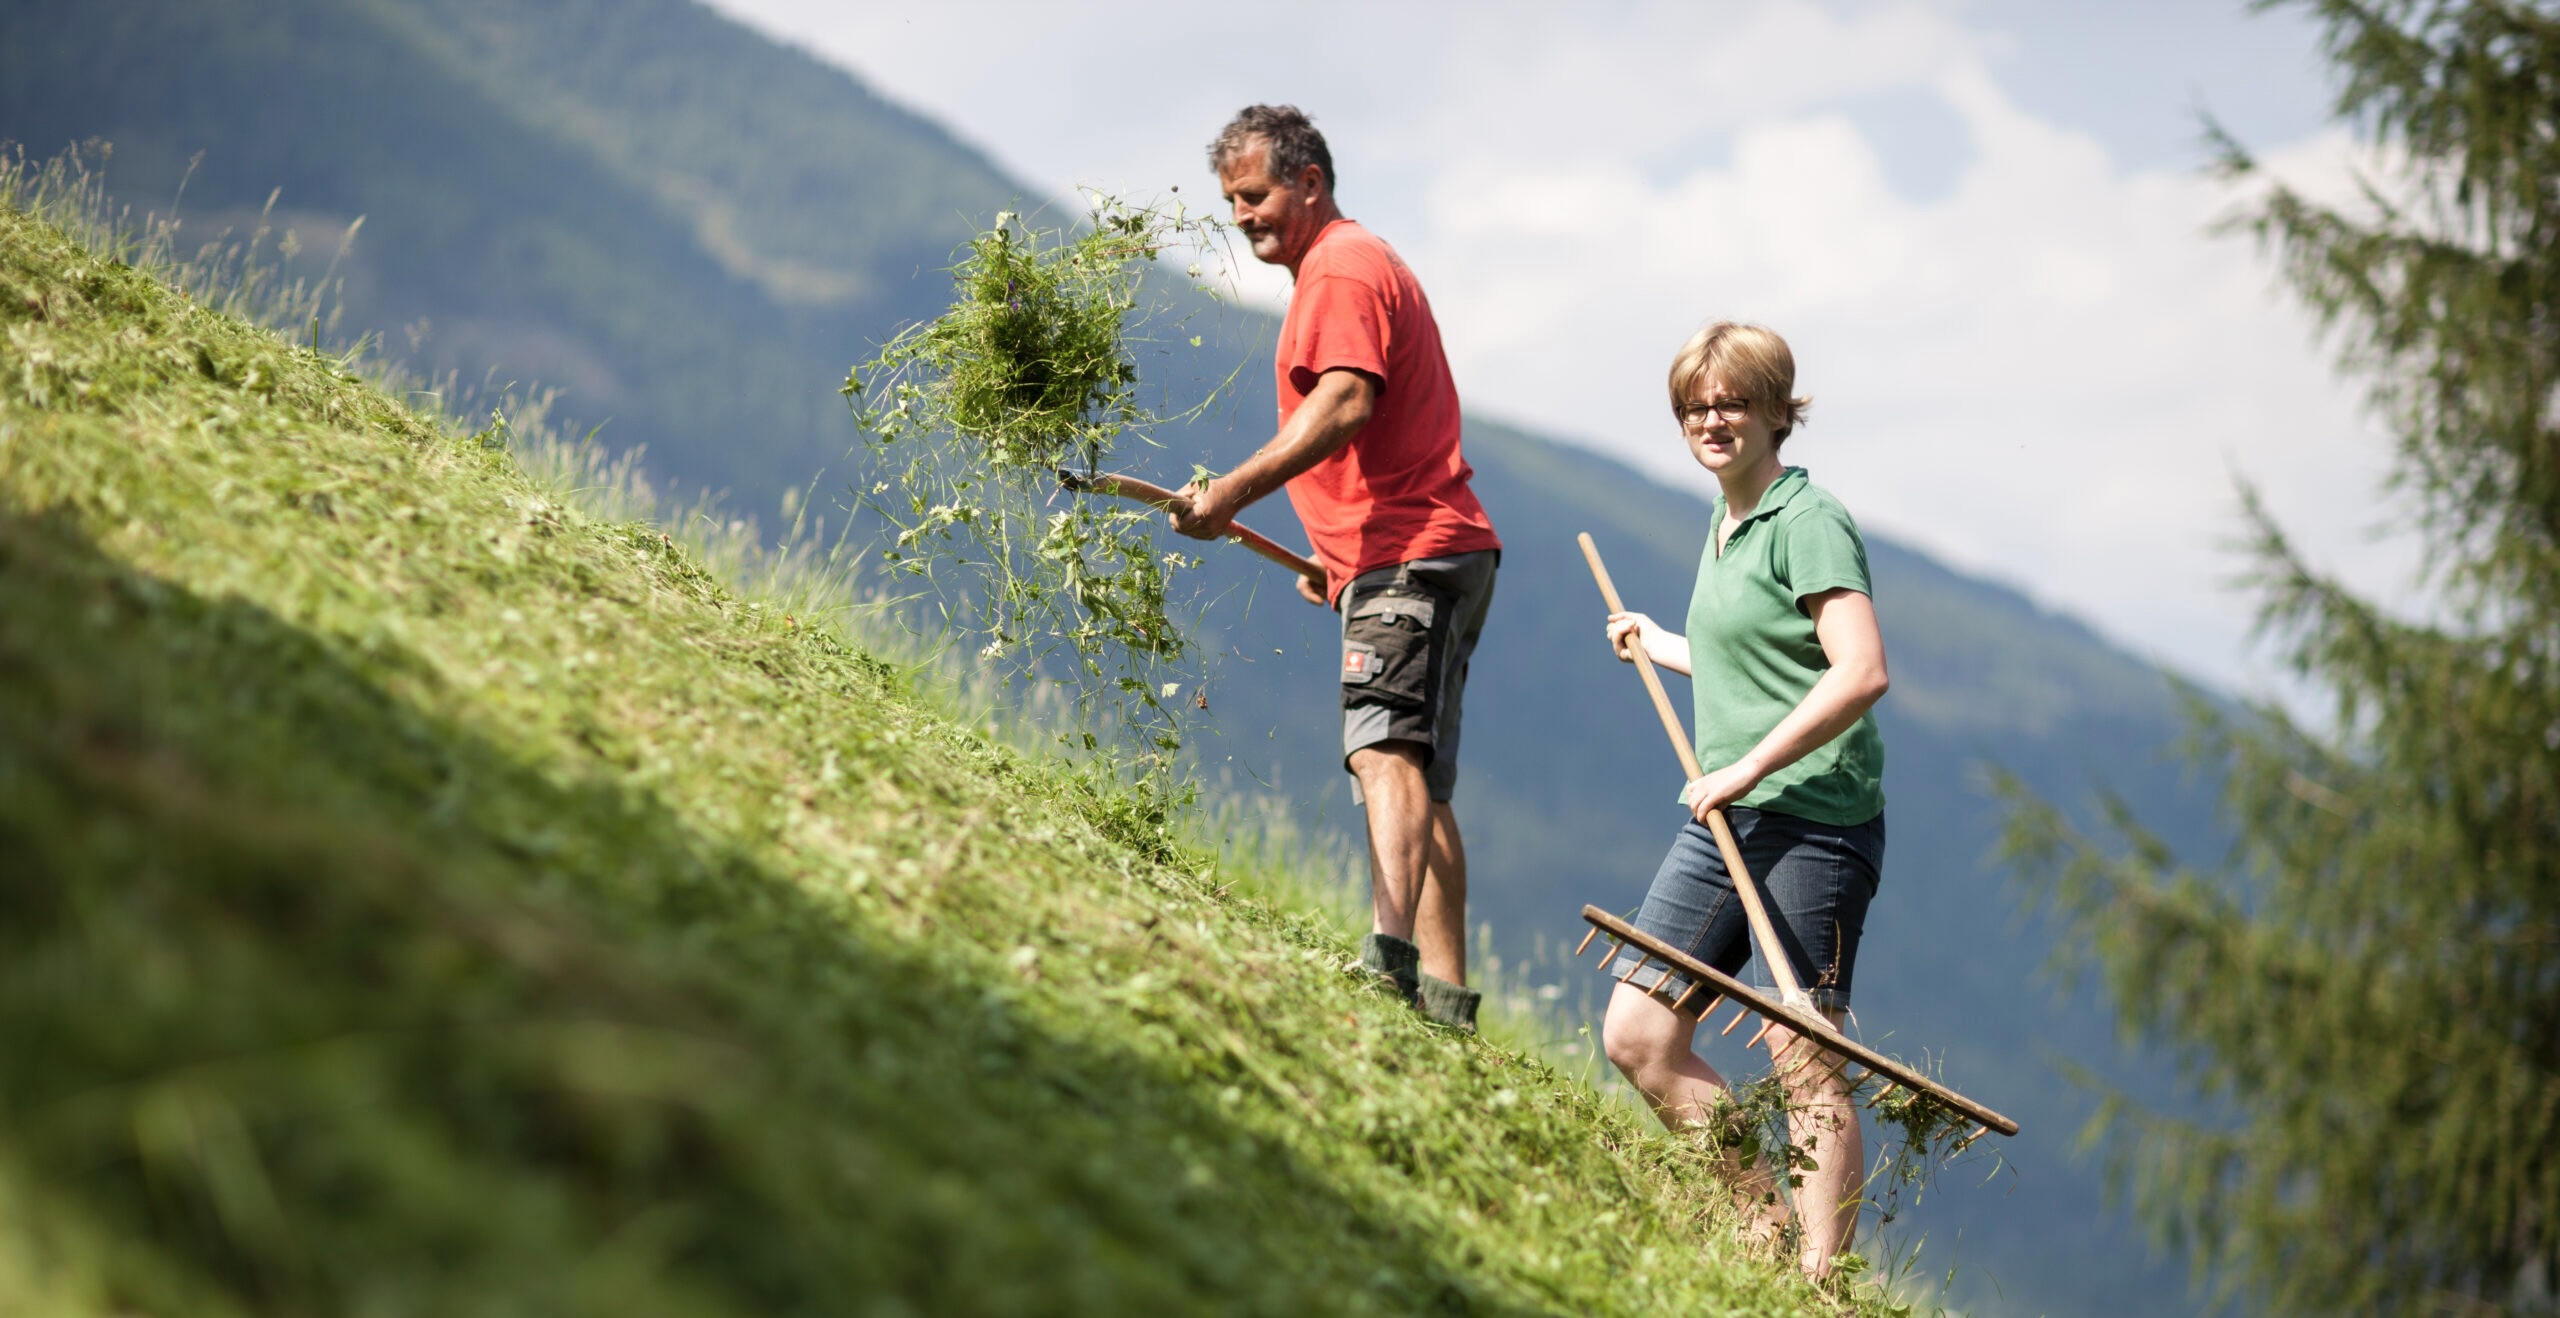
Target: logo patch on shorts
1359	662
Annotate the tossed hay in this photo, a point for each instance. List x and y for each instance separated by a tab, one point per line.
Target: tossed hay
967	419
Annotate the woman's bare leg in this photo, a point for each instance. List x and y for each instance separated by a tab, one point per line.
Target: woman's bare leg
1649	1044
1822	1121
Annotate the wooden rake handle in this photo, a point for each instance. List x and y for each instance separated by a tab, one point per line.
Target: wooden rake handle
1157	496
1762	931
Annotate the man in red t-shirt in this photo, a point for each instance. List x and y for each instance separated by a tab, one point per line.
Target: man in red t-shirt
1368	450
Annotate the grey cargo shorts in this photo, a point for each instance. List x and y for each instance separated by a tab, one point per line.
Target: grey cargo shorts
1408	632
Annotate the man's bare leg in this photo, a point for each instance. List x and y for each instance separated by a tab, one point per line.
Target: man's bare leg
1823	1122
1399	806
1440	920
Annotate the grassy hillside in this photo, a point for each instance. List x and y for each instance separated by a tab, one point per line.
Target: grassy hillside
425	897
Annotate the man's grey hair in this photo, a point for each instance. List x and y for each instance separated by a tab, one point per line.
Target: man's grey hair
1286	131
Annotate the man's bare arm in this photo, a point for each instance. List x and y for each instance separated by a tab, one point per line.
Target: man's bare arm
1340	404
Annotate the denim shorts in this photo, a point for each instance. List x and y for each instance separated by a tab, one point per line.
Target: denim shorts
1408	633
1816	880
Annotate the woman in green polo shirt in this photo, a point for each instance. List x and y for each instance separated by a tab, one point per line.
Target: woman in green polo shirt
1786	663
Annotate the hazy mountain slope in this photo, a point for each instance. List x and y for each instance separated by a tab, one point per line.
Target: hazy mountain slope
694	231
843	196
590	245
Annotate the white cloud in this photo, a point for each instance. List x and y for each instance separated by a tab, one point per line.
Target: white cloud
2048	373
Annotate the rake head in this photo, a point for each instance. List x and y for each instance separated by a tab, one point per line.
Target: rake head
1877	1077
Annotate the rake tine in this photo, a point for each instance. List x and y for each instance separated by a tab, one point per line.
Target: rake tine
1738	1014
1641	963
1685	994
1765	1027
1585	944
1886	1092
1967	1141
1830	1065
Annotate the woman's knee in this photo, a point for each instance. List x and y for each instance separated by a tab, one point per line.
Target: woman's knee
1640	1033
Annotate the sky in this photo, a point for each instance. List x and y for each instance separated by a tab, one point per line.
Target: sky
1984	225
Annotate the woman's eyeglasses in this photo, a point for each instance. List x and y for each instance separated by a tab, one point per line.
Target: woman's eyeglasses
1694	415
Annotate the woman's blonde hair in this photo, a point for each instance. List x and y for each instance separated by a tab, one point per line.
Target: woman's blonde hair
1754	362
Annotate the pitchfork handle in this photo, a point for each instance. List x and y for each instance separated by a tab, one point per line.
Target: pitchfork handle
1157	496
1771	951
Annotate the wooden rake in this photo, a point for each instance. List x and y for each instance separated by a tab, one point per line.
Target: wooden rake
1794	1007
1157	496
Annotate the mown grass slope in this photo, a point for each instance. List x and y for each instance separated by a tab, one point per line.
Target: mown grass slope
419	896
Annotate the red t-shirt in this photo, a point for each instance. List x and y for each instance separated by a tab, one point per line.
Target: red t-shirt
1398	491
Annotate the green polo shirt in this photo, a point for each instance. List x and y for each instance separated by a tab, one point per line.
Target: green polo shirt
1753	655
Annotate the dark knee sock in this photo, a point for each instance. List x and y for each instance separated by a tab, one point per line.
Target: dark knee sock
1394	959
1450	1004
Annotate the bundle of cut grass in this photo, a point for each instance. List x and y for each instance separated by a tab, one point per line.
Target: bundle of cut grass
968	417
1030	363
